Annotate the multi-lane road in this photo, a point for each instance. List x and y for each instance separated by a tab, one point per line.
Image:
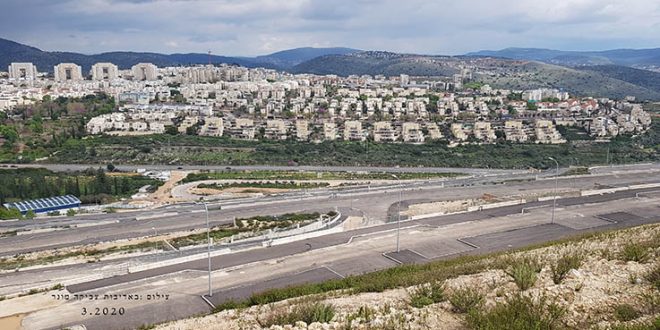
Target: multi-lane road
239	274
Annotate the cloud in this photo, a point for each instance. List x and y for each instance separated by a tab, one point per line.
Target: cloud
253	27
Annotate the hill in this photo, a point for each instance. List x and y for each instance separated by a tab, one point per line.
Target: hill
530	75
377	63
626	57
643	78
292	57
11	51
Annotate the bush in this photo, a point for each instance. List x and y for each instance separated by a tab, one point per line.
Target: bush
654	325
625	313
654	277
427	294
523	273
465	300
518	312
308	313
563	265
635	252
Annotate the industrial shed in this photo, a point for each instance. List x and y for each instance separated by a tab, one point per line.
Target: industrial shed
45	205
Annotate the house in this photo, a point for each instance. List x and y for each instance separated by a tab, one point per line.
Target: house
412	133
384	132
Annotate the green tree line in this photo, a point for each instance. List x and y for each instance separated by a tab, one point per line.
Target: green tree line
91	186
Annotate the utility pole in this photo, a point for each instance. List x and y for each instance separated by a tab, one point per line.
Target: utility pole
398	221
554	199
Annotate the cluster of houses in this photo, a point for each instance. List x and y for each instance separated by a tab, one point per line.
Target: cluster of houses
259	103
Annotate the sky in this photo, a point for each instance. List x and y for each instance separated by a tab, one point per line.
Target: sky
258	27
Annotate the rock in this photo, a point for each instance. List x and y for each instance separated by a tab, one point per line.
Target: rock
276	327
301	325
573	273
315	326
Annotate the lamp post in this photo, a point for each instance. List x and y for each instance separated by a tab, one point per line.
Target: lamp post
208	243
398	221
554	199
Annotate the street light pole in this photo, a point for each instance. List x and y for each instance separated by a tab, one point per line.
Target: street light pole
554	199
398	221
208	244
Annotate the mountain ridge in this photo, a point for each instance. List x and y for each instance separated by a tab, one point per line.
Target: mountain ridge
11	51
639	58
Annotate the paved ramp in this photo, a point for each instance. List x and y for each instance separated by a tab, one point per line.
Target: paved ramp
617	217
579	223
440	248
406	257
518	237
362	265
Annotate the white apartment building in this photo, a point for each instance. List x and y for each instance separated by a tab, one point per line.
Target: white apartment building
24	71
66	72
104	71
412	133
384	132
353	131
144	71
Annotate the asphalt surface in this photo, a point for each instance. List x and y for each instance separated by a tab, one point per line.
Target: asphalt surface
376	203
410	253
279	251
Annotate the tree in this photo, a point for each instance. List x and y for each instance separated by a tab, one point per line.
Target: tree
30	215
111	167
70	212
171	130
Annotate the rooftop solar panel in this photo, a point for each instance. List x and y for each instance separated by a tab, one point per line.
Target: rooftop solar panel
43	204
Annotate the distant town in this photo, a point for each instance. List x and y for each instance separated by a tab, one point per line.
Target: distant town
242	103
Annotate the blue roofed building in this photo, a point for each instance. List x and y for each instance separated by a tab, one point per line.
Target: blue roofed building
45	205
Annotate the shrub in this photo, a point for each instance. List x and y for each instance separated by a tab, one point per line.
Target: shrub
563	265
308	313
654	325
625	312
635	252
654	277
427	294
524	273
364	314
518	312
465	300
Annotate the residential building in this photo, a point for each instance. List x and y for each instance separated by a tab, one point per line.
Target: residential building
459	132
483	131
412	133
353	131
302	130
546	132
514	131
213	126
144	72
384	132
104	71
329	131
24	71
275	130
66	72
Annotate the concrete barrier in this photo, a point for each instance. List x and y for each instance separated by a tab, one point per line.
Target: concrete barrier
156	216
290	239
548	198
495	205
645	186
602	191
174	261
